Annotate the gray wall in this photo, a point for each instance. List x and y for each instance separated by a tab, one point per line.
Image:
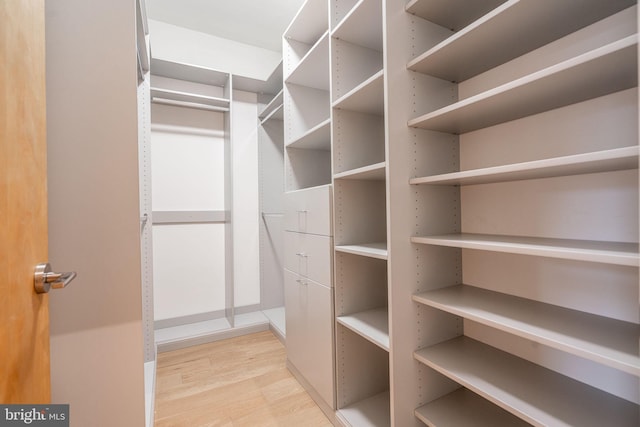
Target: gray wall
96	323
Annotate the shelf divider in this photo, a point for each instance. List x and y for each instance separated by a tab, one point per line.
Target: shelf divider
617	253
602	71
577	164
535	394
373	325
463	408
607	341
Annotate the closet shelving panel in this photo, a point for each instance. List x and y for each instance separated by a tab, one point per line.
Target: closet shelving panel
359	167
273	110
189	86
515	290
306	98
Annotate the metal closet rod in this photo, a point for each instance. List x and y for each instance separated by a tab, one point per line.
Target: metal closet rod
188	104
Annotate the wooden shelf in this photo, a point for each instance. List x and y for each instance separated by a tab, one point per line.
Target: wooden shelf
463	408
371	412
316	138
580	250
371	250
453	14
367	97
362	25
529	391
595	162
188	99
372	325
605	70
509	31
273	105
313	68
309	23
374	172
607	341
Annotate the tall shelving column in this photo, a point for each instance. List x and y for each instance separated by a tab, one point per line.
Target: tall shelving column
514	264
308	240
360	211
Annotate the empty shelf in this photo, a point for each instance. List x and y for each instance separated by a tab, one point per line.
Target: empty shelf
188	72
316	138
374	172
607	341
313	68
274	105
599	72
463	408
454	14
158	94
367	97
600	161
373	325
509	31
580	250
310	22
371	412
535	394
372	250
362	25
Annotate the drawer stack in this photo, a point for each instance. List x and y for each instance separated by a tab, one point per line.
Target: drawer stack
308	264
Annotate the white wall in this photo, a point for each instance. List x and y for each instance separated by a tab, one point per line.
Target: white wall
92	132
178	44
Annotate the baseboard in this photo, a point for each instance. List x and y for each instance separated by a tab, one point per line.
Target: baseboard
213	336
329	412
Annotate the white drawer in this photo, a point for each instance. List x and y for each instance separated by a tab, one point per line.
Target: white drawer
309	325
309	255
308	210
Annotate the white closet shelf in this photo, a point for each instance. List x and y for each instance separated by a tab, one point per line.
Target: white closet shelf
371	250
602	71
374	411
189	72
316	138
277	114
535	394
309	23
454	14
273	105
313	69
174	95
594	162
617	253
372	325
362	25
603	340
507	32
367	97
375	172
463	408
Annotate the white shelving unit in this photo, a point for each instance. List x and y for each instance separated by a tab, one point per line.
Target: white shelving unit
512	186
308	242
359	177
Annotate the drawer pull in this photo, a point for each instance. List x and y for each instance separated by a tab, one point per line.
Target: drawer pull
302	254
301	282
302	211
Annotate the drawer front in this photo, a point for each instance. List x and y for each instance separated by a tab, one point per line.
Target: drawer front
309	328
308	211
309	255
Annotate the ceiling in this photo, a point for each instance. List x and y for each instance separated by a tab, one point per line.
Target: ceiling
254	22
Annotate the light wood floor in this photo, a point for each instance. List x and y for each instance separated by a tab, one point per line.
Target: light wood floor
236	382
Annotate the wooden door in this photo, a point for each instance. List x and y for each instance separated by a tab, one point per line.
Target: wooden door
24	315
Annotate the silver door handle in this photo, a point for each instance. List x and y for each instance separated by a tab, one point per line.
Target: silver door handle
44	278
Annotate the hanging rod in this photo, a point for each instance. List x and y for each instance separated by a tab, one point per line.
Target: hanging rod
188	104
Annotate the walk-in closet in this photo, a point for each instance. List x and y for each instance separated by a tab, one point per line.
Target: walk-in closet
396	213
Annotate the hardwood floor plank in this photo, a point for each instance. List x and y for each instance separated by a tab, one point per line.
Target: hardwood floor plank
239	382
